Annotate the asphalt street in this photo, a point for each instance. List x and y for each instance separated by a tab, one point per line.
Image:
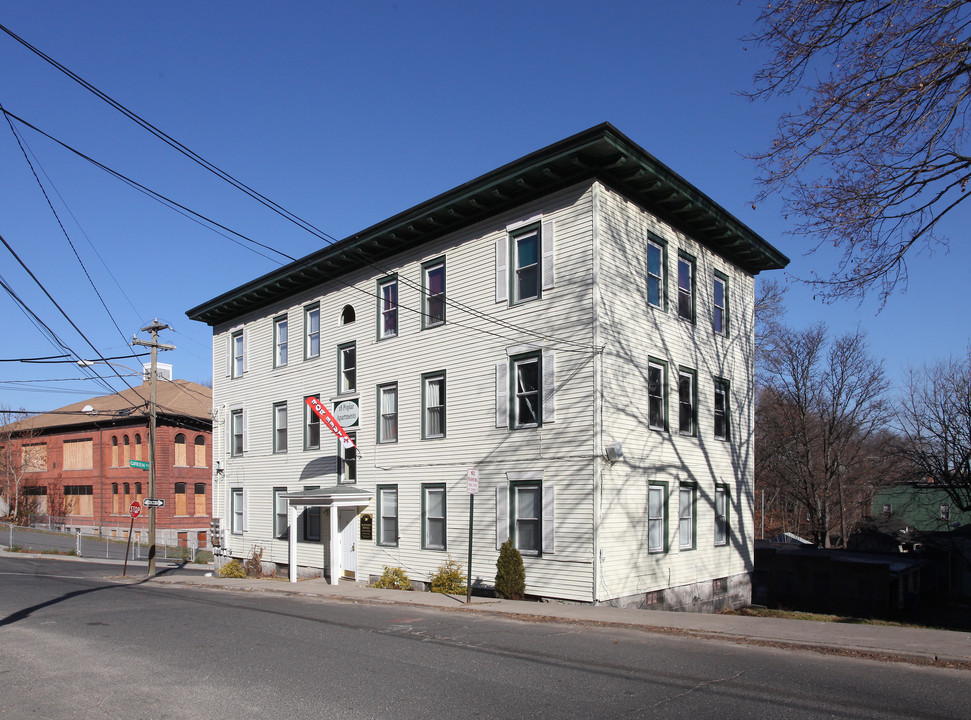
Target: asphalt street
74	643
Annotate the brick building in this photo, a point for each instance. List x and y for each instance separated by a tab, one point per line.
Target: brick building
74	463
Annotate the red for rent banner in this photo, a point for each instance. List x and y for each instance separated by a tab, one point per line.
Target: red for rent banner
331	422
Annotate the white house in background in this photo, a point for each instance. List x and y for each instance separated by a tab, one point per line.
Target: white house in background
576	326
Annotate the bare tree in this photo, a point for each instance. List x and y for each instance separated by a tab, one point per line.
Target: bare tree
877	156
819	413
17	455
935	418
769	309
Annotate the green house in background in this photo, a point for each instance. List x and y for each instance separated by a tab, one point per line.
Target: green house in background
922	506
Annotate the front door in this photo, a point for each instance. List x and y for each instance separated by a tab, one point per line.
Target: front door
347	525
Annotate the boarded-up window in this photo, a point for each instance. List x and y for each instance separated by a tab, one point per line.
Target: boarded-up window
114	451
115	500
180	499
36	497
180	458
138	446
35	457
138	490
78	454
79	500
200	499
126	452
200	459
125	505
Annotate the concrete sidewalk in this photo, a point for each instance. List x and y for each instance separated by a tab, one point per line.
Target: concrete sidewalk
898	644
943	648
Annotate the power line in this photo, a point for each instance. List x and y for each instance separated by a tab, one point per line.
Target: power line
158	197
66	316
23	150
283	212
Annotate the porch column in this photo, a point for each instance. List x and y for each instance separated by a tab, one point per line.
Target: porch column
335	550
292	540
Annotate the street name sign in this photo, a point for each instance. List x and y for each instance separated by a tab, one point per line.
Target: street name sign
139	464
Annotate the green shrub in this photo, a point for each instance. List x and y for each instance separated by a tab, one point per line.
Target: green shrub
393	579
510	573
449	578
232	569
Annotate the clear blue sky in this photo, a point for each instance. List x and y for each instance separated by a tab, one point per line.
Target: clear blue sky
347	113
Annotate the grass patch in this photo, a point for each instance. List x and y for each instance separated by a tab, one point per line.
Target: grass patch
813	617
49	551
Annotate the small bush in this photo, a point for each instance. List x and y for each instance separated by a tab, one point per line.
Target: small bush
232	569
393	579
254	565
510	573
449	578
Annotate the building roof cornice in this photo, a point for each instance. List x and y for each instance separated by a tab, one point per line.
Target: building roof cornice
601	153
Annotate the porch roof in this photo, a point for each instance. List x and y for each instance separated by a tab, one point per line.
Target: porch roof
328	496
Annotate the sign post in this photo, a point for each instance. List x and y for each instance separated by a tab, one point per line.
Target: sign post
135	509
472	479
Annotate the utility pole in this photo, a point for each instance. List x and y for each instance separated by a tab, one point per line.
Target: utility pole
154	329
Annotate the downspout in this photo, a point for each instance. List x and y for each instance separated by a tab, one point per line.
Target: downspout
597	394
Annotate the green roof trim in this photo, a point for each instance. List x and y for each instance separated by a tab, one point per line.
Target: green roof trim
601	153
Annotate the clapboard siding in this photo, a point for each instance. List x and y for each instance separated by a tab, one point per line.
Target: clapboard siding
598	326
633	332
475	337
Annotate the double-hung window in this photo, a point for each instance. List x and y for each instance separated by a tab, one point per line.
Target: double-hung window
388	515
721	515
722	428
280	341
236	433
526	376
280	520
239	357
388	419
656	518
526	255
686	517
280	427
388	308
433	517
433	404
686	402
656	395
720	304
686	287
348	456
526	513
655	273
237	510
311	429
433	293
527	502
347	361
311	323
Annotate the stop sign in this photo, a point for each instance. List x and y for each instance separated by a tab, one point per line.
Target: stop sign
135	509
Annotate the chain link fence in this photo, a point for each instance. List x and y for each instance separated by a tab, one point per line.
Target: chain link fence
57	536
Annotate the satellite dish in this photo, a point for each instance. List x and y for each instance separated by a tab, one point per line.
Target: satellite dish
88	409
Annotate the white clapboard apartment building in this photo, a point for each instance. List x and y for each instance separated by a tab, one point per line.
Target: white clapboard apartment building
576	327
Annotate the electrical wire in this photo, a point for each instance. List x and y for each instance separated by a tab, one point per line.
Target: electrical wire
66	317
23	150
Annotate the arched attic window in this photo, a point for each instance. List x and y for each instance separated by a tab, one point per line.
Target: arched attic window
348	315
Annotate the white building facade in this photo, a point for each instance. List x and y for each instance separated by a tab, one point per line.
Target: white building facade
575	326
